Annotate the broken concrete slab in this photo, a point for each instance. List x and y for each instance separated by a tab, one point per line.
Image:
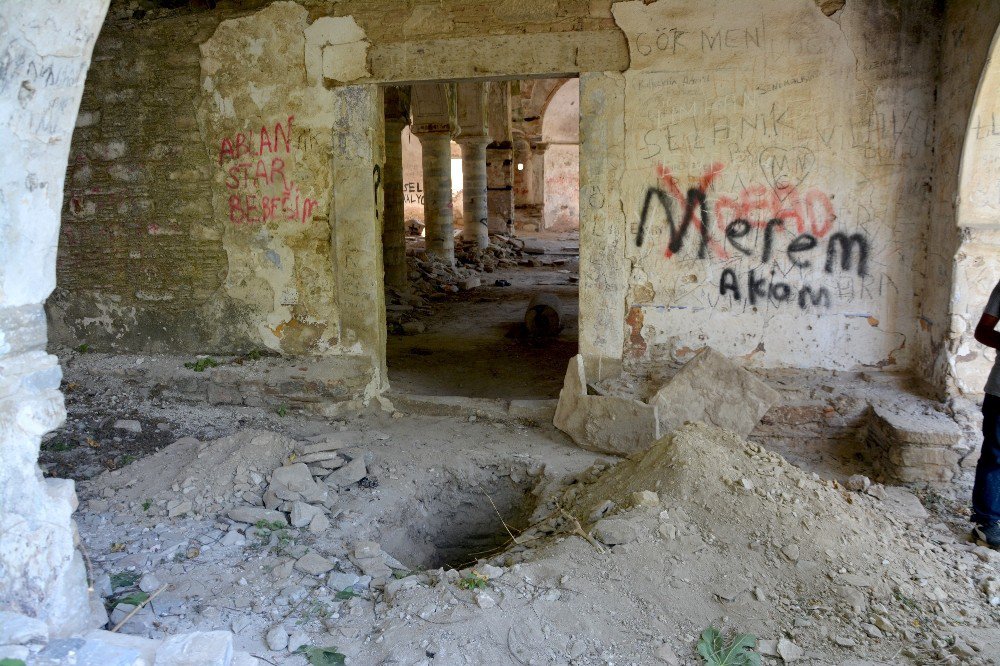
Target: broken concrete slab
608	424
713	389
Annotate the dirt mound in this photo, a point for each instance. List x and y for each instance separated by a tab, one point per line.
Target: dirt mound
765	533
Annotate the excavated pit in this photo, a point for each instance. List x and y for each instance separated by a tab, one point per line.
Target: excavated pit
465	518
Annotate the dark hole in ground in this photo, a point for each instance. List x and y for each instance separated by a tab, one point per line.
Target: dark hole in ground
457	524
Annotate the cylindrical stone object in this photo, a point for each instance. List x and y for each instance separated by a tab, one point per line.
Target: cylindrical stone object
542	318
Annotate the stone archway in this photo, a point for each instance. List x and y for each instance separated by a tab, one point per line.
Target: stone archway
977	216
45	51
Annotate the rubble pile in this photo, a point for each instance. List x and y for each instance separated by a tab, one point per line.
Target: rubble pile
293	542
786	549
430	278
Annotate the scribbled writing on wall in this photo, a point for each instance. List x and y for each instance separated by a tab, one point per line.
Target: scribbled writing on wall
257	173
779	229
413	193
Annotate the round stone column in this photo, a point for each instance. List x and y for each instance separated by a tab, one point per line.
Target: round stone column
474	201
438	213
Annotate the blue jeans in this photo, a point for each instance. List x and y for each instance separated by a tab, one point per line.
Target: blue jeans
986	492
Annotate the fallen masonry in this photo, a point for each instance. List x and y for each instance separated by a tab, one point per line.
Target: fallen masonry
701	528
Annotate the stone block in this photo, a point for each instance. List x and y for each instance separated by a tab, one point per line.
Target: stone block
200	648
907	445
713	389
608	424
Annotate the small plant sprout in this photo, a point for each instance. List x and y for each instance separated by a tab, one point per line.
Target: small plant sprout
322	656
146	504
738	651
474	581
345	594
202	364
282	410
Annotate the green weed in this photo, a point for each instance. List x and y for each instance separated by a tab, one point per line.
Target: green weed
317	656
202	364
738	651
57	445
124	579
474	581
146	504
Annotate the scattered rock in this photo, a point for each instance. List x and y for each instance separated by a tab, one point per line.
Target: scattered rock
149	583
615	531
277	638
297	640
253	515
338	581
17	629
789	651
313	564
128	425
349	474
645	498
295	482
177	508
200	648
302	514
858	483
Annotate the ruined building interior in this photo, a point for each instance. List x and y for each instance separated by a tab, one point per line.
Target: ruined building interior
507	332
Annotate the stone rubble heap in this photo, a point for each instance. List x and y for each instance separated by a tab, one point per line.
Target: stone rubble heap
263	534
859	572
430	278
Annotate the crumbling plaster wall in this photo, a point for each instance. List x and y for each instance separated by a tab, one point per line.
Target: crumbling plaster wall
963	252
791	151
45	49
823	123
155	253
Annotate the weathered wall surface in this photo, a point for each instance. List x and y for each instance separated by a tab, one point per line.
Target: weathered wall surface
963	252
775	179
141	262
198	209
561	133
43	63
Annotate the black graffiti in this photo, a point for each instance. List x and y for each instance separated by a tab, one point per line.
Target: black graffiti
697	201
377	180
760	290
843	251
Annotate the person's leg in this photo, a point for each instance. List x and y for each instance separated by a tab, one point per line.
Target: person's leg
986	492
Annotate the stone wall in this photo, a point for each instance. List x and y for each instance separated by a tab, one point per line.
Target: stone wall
807	174
772	166
42	68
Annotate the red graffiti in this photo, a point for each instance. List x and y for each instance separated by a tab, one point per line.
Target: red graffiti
260	209
261	190
811	212
233	149
695	208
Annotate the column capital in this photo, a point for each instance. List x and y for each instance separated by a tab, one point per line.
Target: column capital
463	140
421	131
